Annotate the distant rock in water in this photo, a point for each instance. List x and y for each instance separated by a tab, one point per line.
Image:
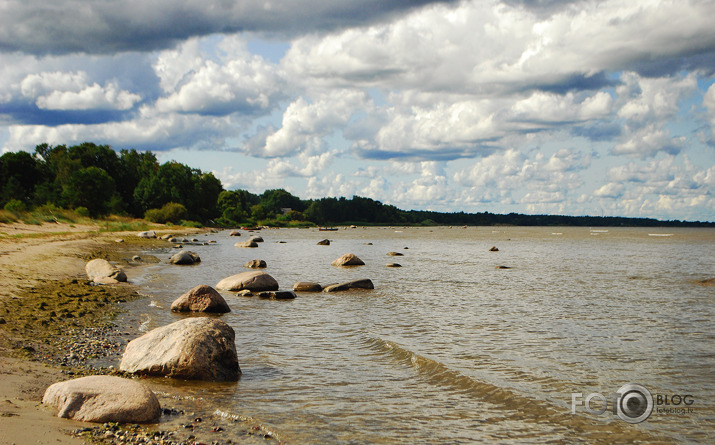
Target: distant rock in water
103	398
395	254
234	233
194	348
393	265
708	282
355	284
255	264
248	243
256	239
503	267
255	281
325	242
184	257
147	234
278	295
102	272
201	298
307	286
349	259
494	249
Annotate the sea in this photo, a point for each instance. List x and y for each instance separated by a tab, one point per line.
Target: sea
547	339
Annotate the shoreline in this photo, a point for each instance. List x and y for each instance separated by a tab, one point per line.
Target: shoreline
45	339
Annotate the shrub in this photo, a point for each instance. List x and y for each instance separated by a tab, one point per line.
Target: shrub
170	212
16	206
82	212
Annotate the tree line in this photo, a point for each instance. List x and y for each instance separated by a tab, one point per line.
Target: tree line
95	180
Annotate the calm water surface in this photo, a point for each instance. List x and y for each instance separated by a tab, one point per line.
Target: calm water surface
452	348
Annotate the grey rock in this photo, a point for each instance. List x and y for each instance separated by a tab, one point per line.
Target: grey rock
101	268
307	286
248	243
254	281
184	257
147	234
355	284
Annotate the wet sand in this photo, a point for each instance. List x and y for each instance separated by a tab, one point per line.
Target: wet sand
38	264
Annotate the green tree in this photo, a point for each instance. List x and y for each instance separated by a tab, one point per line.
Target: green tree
90	187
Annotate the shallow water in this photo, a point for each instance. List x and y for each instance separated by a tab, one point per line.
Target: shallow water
451	348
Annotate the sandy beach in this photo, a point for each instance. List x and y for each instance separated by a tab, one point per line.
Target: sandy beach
32	257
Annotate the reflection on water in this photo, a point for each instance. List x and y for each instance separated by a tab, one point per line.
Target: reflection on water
454	348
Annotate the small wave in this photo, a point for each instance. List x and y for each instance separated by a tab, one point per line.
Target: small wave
660	234
511	405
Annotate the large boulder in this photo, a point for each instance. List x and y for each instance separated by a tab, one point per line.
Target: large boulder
147	234
194	348
248	243
254	281
349	259
201	298
307	286
185	257
355	284
100	270
255	264
102	398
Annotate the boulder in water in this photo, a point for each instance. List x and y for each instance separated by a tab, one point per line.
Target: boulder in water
184	257
254	281
255	264
355	284
349	259
307	286
194	348
201	298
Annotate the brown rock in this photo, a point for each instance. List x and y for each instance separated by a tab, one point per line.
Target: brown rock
248	243
278	295
201	298
494	249
102	398
355	284
255	264
307	286
199	348
349	259
325	242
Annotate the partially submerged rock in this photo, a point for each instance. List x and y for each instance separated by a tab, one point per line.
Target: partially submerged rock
185	257
248	243
394	254
255	264
234	233
325	242
99	269
349	259
393	265
201	298
278	295
494	249
256	239
254	281
355	284
194	348
307	286
102	398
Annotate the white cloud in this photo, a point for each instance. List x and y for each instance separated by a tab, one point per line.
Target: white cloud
72	91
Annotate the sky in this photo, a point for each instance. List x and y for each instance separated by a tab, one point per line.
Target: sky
576	107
